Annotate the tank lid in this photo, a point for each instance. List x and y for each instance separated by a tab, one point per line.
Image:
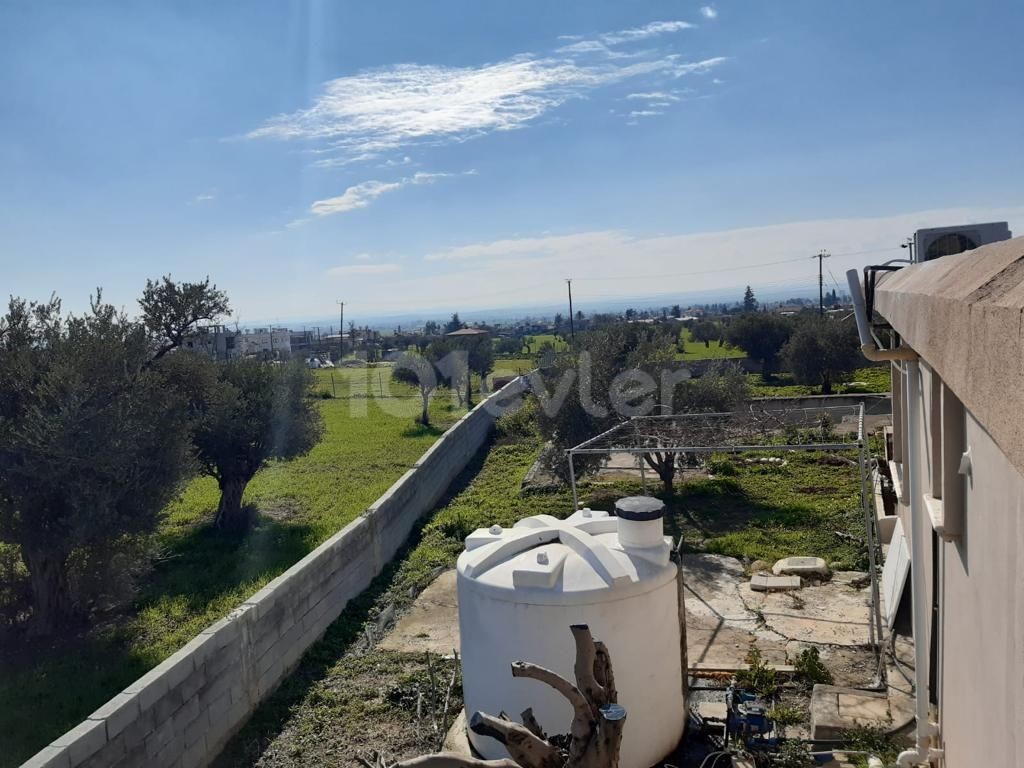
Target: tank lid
640	508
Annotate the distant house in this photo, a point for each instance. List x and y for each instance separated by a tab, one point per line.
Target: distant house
467	333
216	341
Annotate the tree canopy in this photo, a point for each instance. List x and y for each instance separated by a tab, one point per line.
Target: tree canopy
247	413
822	352
762	337
93	442
171	311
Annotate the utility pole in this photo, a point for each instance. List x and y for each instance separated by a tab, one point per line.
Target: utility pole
572	320
909	245
821	256
341	331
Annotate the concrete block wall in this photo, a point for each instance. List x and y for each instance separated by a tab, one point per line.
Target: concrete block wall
184	711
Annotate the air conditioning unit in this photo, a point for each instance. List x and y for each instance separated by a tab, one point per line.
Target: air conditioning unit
945	241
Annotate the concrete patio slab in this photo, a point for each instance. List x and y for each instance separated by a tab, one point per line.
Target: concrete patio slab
835	709
432	624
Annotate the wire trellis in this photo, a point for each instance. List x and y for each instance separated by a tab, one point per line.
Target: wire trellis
757	428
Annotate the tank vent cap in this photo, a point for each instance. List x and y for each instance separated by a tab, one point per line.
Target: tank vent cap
640	508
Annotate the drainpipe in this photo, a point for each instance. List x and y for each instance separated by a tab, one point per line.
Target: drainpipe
925	730
868	347
922	751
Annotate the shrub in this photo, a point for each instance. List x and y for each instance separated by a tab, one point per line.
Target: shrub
759	677
810	668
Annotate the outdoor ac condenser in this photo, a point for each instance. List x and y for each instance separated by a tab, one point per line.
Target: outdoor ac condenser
945	241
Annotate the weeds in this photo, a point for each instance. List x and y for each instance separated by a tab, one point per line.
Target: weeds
810	669
759	677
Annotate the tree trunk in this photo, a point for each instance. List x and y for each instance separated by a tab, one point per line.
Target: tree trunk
707	343
425	415
665	465
826	385
231	515
469	389
52	608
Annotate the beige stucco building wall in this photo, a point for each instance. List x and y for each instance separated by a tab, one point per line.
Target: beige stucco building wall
979	581
975	577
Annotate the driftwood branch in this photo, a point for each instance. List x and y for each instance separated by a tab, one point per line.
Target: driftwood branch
452	760
595	734
523	746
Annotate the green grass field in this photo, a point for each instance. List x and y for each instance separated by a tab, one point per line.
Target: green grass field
873	379
200	575
538	340
696	350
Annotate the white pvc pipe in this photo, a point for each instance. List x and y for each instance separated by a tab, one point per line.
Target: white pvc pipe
920	753
868	347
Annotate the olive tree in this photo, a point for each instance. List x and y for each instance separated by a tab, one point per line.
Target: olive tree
417	370
762	337
93	442
822	352
171	311
248	412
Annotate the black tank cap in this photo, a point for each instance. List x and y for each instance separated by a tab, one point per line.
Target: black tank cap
640	508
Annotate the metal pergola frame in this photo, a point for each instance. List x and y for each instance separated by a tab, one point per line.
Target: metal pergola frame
756	429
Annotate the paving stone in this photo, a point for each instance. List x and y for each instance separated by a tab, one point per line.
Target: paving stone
807	567
835	709
761	582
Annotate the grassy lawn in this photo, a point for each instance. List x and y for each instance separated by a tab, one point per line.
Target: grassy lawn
513	365
326	713
873	379
539	339
695	350
200	575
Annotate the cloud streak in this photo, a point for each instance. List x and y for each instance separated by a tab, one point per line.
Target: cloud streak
708	12
361	195
358	117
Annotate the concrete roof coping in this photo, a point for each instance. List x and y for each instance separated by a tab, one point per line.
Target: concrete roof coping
964	315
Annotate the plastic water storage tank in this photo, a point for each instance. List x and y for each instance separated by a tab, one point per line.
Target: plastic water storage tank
521	588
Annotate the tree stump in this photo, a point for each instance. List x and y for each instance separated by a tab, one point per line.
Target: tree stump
595	733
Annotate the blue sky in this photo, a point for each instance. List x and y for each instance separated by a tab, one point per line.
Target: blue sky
411	155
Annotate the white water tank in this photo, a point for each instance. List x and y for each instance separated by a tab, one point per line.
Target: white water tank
521	588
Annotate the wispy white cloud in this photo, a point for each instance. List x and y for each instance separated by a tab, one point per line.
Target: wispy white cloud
358	117
654	96
205	197
708	12
394	163
645	113
364	256
362	194
363	269
653	29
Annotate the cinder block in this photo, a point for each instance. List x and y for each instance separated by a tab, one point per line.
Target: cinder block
178	667
196	730
150	687
49	757
167	705
188	712
170	753
118	713
159	738
195	752
218	709
84	740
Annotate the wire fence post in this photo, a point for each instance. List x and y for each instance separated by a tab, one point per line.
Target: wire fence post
572	479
